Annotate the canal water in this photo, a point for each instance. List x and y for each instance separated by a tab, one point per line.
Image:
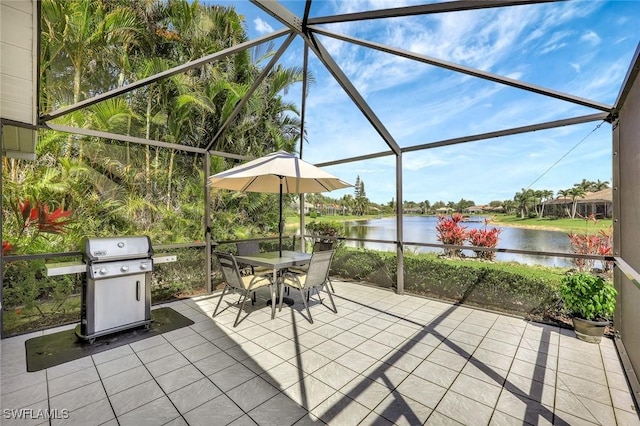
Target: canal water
423	229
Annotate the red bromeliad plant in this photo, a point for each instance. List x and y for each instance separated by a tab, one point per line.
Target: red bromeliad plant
597	244
6	247
32	220
484	238
451	232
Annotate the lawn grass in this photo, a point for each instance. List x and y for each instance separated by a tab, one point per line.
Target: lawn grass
580	226
560	224
547	273
294	220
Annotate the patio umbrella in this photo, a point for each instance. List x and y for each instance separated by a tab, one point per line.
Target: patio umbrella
279	172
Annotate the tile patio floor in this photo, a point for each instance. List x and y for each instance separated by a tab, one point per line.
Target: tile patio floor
383	359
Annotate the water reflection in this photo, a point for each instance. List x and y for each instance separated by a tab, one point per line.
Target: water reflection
423	229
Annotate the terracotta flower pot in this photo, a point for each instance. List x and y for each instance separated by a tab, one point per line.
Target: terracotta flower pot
589	331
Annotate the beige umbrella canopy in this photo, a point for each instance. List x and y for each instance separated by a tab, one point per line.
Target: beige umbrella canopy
279	172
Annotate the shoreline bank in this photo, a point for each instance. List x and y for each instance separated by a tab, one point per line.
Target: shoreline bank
563	225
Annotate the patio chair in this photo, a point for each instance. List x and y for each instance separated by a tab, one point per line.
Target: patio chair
249	248
315	278
246	285
317	246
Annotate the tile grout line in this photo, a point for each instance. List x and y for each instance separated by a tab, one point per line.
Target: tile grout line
502	389
208	378
579	400
104	388
158	384
416	367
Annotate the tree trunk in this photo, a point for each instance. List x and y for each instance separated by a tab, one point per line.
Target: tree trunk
147	169
77	75
169	175
128	150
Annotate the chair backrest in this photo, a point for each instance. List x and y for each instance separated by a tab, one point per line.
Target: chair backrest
229	268
247	248
322	246
319	266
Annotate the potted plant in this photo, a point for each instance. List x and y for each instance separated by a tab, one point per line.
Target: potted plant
591	302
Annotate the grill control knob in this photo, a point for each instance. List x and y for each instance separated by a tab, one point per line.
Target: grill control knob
125	268
103	271
144	265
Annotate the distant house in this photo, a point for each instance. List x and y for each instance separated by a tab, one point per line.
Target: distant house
599	203
474	209
412	210
308	207
444	210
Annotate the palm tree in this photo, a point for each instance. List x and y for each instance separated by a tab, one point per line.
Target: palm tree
346	202
575	193
564	193
78	37
600	185
509	206
545	195
522	199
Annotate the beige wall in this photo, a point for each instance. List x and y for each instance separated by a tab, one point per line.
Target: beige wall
18	75
626	211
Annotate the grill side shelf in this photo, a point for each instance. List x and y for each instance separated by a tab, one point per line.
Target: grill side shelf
164	259
65	268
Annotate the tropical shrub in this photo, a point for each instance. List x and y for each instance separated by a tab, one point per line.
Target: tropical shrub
26	287
183	278
484	238
326	232
449	231
31	220
596	244
588	296
517	289
365	265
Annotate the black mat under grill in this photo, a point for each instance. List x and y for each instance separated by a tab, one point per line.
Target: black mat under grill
53	349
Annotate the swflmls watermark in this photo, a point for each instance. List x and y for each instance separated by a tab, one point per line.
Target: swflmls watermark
30	413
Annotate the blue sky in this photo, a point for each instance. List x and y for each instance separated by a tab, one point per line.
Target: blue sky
583	48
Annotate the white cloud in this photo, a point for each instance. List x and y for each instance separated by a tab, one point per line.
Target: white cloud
422	160
576	67
555	42
591	38
262	27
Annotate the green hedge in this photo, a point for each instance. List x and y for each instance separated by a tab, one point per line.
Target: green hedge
506	287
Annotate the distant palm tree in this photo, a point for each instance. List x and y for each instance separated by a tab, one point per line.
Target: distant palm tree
575	193
523	198
600	185
564	193
545	195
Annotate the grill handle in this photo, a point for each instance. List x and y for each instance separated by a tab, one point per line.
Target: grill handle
138	290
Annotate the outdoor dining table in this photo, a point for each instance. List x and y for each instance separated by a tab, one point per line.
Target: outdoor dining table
276	262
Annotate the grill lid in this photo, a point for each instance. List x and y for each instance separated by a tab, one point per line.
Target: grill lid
115	248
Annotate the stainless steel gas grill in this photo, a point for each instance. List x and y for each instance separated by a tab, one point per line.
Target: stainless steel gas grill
116	293
116	285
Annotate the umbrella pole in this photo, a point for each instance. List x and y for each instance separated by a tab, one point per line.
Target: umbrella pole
280	224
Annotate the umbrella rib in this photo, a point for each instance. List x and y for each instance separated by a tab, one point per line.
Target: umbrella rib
324	186
244	188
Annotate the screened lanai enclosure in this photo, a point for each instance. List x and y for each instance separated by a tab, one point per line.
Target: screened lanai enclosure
115	115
